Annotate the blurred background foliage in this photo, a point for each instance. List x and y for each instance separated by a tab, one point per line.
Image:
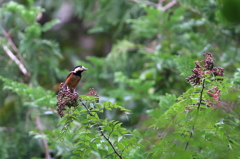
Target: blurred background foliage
138	54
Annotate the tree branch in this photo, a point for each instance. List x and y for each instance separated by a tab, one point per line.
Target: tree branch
169	5
15	59
198	108
13	46
157	5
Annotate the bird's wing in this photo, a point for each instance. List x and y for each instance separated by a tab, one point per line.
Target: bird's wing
69	75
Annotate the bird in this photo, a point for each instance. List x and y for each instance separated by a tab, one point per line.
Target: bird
74	78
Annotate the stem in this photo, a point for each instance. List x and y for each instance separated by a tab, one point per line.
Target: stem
191	134
198	107
102	133
157	5
201	94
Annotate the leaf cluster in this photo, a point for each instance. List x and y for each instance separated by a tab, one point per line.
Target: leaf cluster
95	136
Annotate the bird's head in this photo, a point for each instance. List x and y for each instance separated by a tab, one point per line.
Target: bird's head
79	69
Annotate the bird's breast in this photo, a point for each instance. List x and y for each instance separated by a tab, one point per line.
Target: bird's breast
72	81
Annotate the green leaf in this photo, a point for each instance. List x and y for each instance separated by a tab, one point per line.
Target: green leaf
47	26
120	138
63	121
106	147
107	128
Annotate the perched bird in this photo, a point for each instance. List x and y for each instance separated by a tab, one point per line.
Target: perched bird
74	78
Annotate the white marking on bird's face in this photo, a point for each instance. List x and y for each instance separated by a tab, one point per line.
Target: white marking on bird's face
82	68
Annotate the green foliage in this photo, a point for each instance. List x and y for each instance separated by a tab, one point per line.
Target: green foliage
94	136
190	126
229	10
107	16
36	101
138	54
184	65
38	54
33	95
236	79
141	26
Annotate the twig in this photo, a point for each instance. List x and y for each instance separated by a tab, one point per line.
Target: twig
108	155
125	148
160	2
146	2
169	5
111	132
13	46
191	134
157	5
15	59
44	141
198	107
201	94
102	133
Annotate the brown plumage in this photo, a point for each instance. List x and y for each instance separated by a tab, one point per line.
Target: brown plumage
74	78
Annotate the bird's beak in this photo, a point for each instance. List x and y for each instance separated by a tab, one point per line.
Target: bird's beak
85	69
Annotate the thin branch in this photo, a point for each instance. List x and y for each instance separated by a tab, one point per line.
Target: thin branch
157	5
191	134
44	141
102	133
108	155
160	2
198	108
147	3
169	5
13	46
126	147
201	94
15	59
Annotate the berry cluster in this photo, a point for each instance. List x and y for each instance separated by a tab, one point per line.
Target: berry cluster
66	99
93	93
209	62
201	70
